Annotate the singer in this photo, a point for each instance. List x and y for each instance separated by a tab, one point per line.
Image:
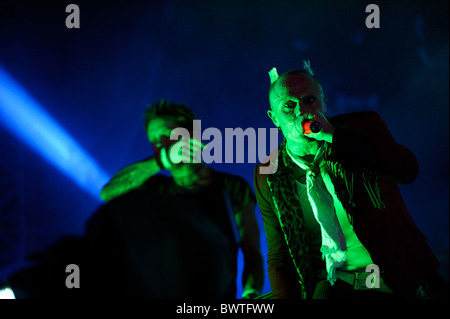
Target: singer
332	207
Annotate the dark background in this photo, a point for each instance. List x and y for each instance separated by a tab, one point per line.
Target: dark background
95	82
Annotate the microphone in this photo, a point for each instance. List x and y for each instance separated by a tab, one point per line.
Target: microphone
311	127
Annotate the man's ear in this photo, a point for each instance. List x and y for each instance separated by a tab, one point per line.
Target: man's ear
273	117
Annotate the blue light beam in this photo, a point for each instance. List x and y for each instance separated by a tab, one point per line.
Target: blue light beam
26	119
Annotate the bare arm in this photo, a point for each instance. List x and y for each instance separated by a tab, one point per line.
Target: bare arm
134	175
253	274
129	178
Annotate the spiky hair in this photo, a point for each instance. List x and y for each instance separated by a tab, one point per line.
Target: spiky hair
181	113
274	77
307	67
273	73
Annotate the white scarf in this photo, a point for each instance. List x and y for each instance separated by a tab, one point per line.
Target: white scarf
333	241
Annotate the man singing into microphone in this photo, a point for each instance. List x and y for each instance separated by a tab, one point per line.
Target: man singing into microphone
335	222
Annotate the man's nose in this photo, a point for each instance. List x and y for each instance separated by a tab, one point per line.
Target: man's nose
298	109
302	109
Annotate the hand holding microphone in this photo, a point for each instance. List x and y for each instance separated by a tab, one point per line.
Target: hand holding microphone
310	126
321	131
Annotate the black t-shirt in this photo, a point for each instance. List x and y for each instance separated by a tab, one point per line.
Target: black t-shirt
238	189
178	243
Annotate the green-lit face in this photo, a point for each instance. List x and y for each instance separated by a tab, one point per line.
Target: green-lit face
293	99
158	132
